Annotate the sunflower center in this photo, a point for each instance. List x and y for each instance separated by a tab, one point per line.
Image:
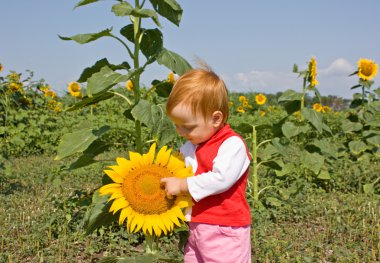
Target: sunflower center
143	191
367	70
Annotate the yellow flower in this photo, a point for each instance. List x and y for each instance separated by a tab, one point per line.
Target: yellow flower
26	101
262	113
260	99
171	77
45	88
326	109
15	87
242	98
230	104
367	69
297	114
74	89
137	191
14	77
317	107
129	85
1	67
240	109
313	72
50	93
245	103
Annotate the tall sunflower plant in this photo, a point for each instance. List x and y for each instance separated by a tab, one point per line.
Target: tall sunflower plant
134	190
143	46
366	71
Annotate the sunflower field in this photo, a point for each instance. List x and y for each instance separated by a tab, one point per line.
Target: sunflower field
80	171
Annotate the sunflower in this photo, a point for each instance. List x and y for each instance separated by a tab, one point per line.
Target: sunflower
326	109
129	85
262	113
50	93
138	195
1	67
313	72
230	104
74	89
171	78
367	69
317	107
260	99
242	98
240	109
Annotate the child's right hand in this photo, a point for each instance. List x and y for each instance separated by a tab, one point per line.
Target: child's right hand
174	186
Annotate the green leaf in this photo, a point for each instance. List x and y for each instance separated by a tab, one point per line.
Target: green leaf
244	128
162	88
86	38
295	68
375	140
349	126
154	117
87	101
85	2
281	149
88	156
98	213
326	147
273	201
128	33
377	91
369	188
78	141
290	130
147	13
315	118
151	42
122	9
169	9
324	175
173	61
87	72
289	95
312	161
357	147
105	79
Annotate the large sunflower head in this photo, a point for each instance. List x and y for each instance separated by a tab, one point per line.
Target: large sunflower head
367	69
140	197
313	72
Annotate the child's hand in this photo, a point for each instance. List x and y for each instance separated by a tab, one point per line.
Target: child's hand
174	186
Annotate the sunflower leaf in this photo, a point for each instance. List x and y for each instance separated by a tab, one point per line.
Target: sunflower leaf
85	2
173	61
86	38
98	213
78	141
169	9
315	118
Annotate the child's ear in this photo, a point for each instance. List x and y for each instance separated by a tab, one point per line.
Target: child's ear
217	118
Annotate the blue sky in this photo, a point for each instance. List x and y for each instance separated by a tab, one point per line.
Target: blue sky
252	44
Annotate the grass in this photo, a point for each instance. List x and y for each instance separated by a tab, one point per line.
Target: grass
42	209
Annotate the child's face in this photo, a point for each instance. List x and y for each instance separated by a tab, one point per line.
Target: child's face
195	129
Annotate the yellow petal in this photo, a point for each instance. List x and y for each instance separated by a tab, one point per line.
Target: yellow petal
119	170
124	214
135	158
118	204
175	164
109	188
149	157
116	194
124	163
116	177
159	225
139	220
178	212
173	216
163	156
167	222
183	201
147	227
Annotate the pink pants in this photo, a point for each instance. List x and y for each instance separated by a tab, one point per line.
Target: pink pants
218	244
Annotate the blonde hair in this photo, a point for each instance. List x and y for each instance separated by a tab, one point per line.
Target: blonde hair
202	90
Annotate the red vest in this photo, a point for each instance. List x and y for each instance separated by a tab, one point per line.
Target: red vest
229	208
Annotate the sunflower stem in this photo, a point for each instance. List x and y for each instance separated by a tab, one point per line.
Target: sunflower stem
151	244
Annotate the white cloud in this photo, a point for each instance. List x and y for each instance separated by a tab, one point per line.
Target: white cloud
339	67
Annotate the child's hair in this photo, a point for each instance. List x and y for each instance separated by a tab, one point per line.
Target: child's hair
202	90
